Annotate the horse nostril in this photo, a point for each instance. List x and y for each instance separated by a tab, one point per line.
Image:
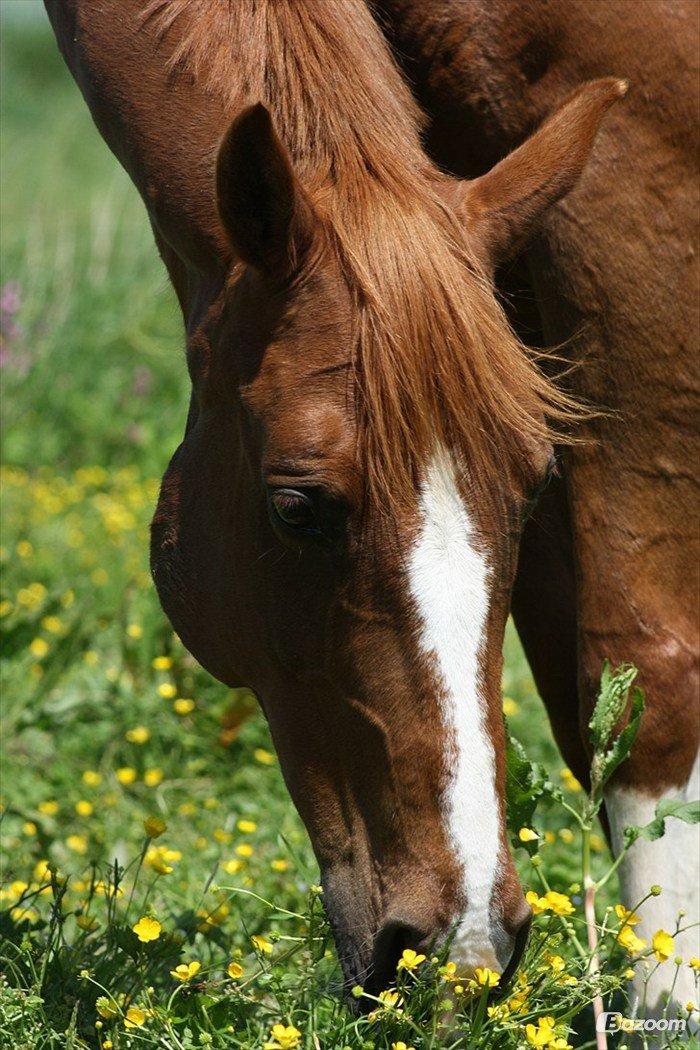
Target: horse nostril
518	948
389	944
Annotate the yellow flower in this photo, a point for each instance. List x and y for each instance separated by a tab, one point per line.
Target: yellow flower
543	1034
125	775
92	778
261	944
662	943
629	940
527	835
566	835
160	858
147	929
486	978
138	735
86	922
555	963
559	903
245	850
183	706
134	630
401	1046
152	777
105	1007
222	835
42	871
247	826
77	843
167	690
24	549
694	964
49	808
265	758
83	808
52	624
283	1037
39	647
186	971
389	998
154	826
410	960
162	663
537	903
597	843
549	837
234	970
90	658
448	972
628	918
570	781
232	866
510	707
135	1017
279	864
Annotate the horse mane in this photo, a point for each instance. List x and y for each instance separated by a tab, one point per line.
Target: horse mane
435	361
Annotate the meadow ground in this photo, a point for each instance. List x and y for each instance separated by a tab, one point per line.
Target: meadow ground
108	722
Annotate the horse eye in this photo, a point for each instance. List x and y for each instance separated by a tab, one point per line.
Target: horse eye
293	509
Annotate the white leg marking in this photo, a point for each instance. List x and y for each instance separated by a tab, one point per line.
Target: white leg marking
448	577
671	862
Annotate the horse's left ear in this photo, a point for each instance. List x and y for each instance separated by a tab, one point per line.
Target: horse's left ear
503	206
261	204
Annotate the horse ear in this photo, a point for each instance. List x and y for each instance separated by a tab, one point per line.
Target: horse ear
503	206
258	197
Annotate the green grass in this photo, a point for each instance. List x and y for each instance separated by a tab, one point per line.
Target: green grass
96	738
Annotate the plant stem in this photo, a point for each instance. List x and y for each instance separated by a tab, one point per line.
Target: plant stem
589	912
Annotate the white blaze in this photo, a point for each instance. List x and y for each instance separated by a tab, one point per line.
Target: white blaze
671	862
449	578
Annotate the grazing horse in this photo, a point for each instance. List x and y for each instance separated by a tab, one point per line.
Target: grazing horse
608	563
339	528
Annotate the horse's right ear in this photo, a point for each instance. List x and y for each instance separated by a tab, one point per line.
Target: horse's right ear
259	200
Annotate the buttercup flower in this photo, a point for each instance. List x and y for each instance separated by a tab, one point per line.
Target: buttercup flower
92	778
83	808
410	960
629	940
106	1007
541	1035
662	943
265	758
138	735
486	978
125	775
261	944
570	781
154	826
283	1037
167	690
147	929
161	663
186	971
401	1046
247	826
628	918
527	835
537	903
152	777
234	970
183	706
694	964
135	1017
559	903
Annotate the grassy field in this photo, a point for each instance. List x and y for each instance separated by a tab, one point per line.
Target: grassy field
108	722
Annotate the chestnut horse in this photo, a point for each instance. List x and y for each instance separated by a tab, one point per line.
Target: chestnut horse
339	528
608	563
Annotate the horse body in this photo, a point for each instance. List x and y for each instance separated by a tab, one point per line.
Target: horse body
339	528
609	562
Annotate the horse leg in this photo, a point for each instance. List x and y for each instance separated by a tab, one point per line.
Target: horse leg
544	611
617	622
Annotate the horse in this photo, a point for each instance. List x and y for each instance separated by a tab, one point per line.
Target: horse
608	562
366	436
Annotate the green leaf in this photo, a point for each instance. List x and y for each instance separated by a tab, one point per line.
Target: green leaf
689	812
605	763
526	784
611	703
